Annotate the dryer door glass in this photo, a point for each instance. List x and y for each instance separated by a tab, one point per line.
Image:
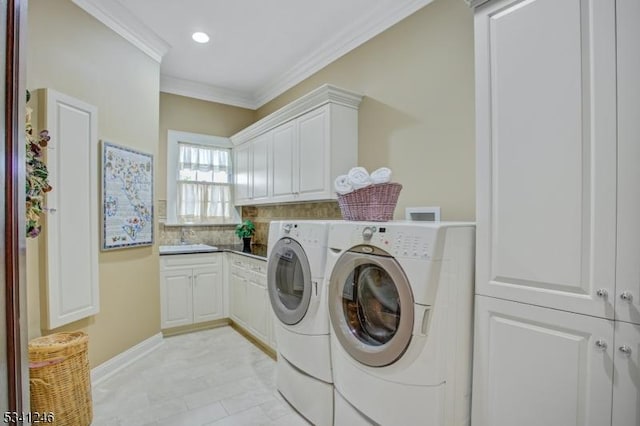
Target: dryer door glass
371	307
289	281
371	303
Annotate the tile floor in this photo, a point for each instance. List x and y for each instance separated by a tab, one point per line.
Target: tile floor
212	377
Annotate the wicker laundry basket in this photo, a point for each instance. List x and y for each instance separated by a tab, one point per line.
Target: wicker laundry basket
374	202
60	380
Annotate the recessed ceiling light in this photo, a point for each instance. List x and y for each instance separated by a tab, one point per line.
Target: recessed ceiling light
200	37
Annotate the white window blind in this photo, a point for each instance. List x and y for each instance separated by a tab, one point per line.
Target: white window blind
204	184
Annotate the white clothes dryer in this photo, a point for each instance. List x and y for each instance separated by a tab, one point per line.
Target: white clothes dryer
400	307
296	257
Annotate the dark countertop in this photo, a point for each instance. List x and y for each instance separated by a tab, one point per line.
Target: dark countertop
258	251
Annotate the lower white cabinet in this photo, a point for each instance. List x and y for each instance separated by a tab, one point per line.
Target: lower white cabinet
191	289
249	304
540	366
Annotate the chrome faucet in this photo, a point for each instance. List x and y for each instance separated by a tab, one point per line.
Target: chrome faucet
183	236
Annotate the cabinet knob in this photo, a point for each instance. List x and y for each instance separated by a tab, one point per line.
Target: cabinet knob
625	349
626	295
601	344
602	292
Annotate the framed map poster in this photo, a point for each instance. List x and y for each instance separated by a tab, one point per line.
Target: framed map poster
127	197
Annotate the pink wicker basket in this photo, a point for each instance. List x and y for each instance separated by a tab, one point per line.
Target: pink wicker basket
374	202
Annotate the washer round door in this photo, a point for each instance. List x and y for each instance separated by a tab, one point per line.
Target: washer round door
371	306
289	281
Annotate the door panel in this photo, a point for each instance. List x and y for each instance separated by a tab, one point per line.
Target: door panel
547	153
242	173
283	160
261	148
207	294
257	303
312	139
176	307
628	253
626	380
538	366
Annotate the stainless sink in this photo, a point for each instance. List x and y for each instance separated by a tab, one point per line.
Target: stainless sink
187	248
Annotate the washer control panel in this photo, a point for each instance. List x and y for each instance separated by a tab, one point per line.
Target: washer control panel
413	242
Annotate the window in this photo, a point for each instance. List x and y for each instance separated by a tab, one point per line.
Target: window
199	179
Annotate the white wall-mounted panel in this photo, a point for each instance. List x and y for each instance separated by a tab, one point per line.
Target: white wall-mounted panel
71	229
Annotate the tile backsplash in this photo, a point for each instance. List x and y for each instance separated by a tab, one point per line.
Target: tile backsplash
263	215
260	215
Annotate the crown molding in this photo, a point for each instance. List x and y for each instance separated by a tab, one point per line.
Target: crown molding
358	33
206	92
475	3
314	99
115	16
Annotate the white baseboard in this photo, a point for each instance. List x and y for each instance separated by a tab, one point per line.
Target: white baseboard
120	361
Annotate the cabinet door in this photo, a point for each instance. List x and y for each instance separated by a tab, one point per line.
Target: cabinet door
538	366
626	379
546	153
628	253
283	160
207	294
257	300
238	296
261	147
313	134
243	174
71	230
176	296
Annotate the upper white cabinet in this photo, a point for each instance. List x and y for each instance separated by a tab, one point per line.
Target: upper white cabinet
546	153
296	153
71	230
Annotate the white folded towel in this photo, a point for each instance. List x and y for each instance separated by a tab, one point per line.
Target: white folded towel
382	175
359	177
342	185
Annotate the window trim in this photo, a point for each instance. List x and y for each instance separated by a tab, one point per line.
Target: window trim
173	138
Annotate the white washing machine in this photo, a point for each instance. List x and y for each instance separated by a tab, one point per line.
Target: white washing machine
400	306
296	256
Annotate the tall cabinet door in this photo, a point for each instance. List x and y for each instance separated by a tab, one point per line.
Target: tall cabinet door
546	153
628	253
539	366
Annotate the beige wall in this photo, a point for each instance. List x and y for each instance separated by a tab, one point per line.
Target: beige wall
71	52
196	116
417	116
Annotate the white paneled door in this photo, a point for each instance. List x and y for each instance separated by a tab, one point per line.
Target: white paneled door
546	156
541	366
627	297
71	231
